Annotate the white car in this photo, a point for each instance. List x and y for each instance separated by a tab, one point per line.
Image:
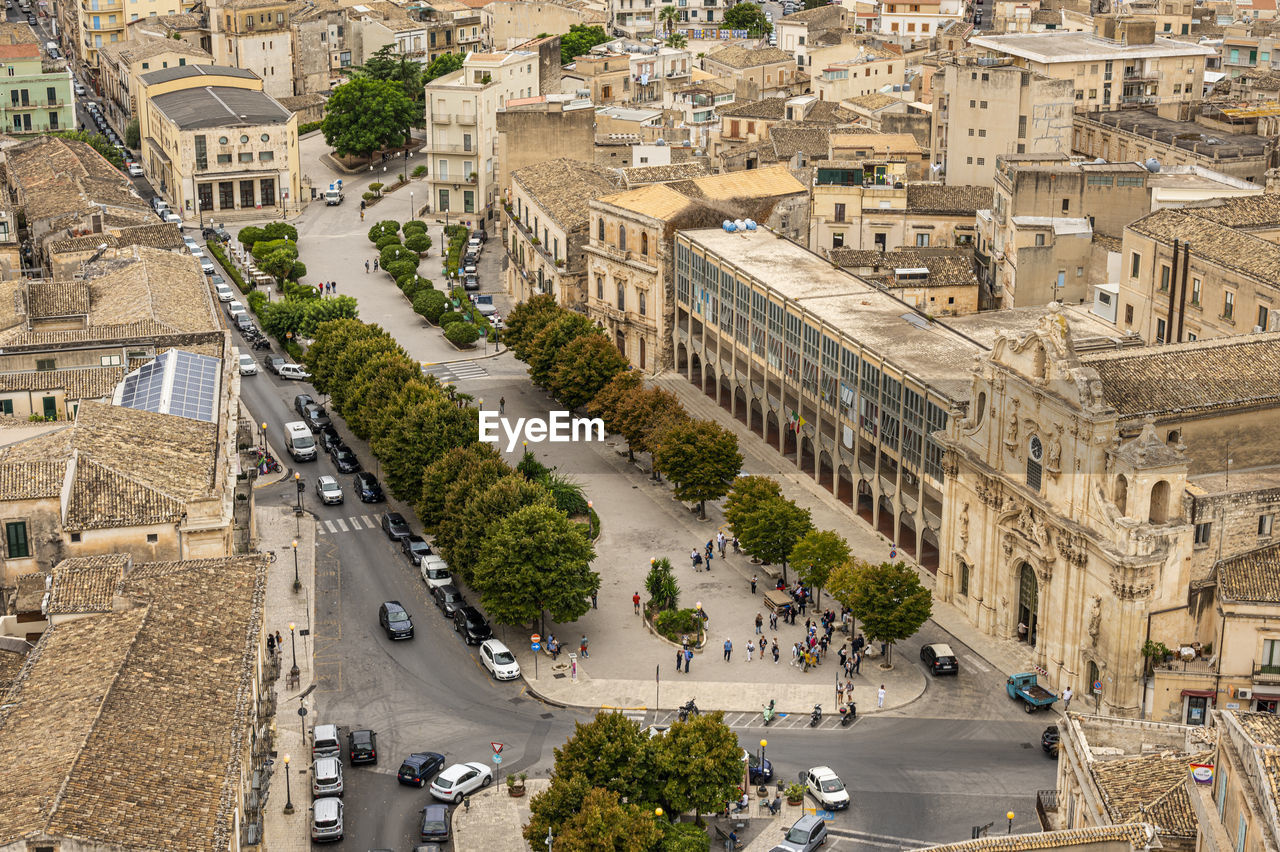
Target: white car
474	243
499	660
248	367
328	490
172	218
435	571
225	293
459	780
825	785
135	170
294	371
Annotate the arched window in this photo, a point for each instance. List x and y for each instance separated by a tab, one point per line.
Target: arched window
980	409
1174	437
642	353
1035	457
622	238
964	578
1122	494
1159	513
644	244
600	228
1094	675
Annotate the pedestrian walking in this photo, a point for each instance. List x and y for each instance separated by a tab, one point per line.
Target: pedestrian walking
710	556
880	696
279	642
759	623
764	646
775	651
857	662
795	653
844	655
753	584
1067	695
720	543
839	692
366	267
582	646
333	287
751	649
694	558
595	604
679	658
773	621
271	645
502	405
688	658
848	691
635	601
728	649
710	548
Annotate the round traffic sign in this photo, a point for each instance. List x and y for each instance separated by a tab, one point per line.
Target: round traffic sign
535	646
497	758
1097	686
535	638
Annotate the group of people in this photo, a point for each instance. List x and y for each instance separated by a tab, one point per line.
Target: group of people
328	288
720	542
553	646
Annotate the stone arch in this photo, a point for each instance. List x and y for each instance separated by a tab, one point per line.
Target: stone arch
682	358
844	485
1159	511
806	460
709	380
1122	494
740	408
907	534
884	520
929	550
826	473
757	423
866	503
772	430
789	441
695	369
1174	437
726	393
1028	601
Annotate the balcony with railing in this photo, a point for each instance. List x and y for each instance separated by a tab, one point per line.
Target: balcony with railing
1266	674
465	118
441	118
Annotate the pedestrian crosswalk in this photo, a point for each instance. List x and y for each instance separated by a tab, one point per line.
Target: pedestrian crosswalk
455	371
356	523
752	720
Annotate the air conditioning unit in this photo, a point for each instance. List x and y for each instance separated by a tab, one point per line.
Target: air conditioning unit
1244	694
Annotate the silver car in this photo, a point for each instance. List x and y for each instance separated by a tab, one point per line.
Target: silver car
326	778
329	491
326	820
808	833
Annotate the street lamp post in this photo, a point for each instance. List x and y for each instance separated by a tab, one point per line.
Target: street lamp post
411	216
293	643
288	793
548	840
591	521
297	584
297	480
264	436
1009	816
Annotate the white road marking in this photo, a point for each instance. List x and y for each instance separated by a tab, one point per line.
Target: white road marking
342	525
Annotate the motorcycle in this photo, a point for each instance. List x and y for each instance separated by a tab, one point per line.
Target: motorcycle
848	714
689	709
816	716
769	713
262	343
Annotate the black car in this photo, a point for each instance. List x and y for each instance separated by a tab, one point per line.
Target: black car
329	438
367	488
471	282
395	620
435	823
419	767
469	621
272	363
344	459
362	747
448	598
415	547
1050	739
301	401
395	526
940	658
216	232
472	257
316	418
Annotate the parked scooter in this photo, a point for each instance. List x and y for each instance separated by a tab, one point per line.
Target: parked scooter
816	716
848	714
769	713
689	709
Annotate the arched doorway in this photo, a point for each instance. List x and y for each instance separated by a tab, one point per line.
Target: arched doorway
844	486
1028	603
757	418
695	370
771	428
682	358
826	476
806	454
726	392
907	534
929	550
740	404
709	381
866	504
885	521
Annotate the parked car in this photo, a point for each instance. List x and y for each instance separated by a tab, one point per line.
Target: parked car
940	658
415	547
469	268
1050	739
135	170
316	417
301	401
473	244
418	768
324	742
78	88
435	824
329	437
807	834
395	620
471	623
326	778
448	598
326	821
435	571
825	785
344	458
328	490
470	282
207	267
499	660
215	232
362	746
395	526
367	488
248	366
225	293
758	771
294	372
273	363
460	779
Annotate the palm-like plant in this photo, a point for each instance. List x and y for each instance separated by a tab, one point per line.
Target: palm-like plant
664	591
677	40
669	16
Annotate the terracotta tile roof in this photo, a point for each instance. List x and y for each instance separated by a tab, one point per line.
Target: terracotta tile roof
1228	372
19	51
1251	211
141	48
829	15
102	498
946	269
756	183
1226	246
86	583
1252	576
171	678
78	382
643	175
1137	835
874	101
10	664
563	187
57	299
1131	786
656	200
17	32
30	590
1263	727
55	178
963	200
813	142
739	57
31	480
775	109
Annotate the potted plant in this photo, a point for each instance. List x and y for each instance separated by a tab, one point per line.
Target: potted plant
515	785
795	794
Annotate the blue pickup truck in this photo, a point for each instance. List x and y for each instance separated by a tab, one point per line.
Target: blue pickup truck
1023	687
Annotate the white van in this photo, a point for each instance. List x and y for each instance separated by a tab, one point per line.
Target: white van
300	442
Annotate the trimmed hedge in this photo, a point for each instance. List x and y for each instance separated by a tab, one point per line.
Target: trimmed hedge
215	249
462	334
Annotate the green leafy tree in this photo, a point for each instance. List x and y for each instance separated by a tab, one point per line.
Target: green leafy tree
816	555
661	584
536	561
531	469
397	254
462	333
388	64
280	264
332	339
388	240
386	228
414	226
745	494
375	386
251	235
684	837
890	600
607	401
749	17
568	496
418	242
133	134
700	459
527	320
448	318
414	431
304	316
364	115
469	482
646	413
669	17
462	534
441	471
603	823
700	763
579	40
445	63
583	367
280	231
435	303
97	142
353	358
552	340
772	529
398	269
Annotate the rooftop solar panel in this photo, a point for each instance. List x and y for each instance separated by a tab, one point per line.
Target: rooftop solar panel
176	382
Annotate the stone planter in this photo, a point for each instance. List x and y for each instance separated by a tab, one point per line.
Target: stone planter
515	791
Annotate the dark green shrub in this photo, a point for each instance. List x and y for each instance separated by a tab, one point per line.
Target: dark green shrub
434	303
418	242
388	240
448	318
462	333
382	229
398	269
674	623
